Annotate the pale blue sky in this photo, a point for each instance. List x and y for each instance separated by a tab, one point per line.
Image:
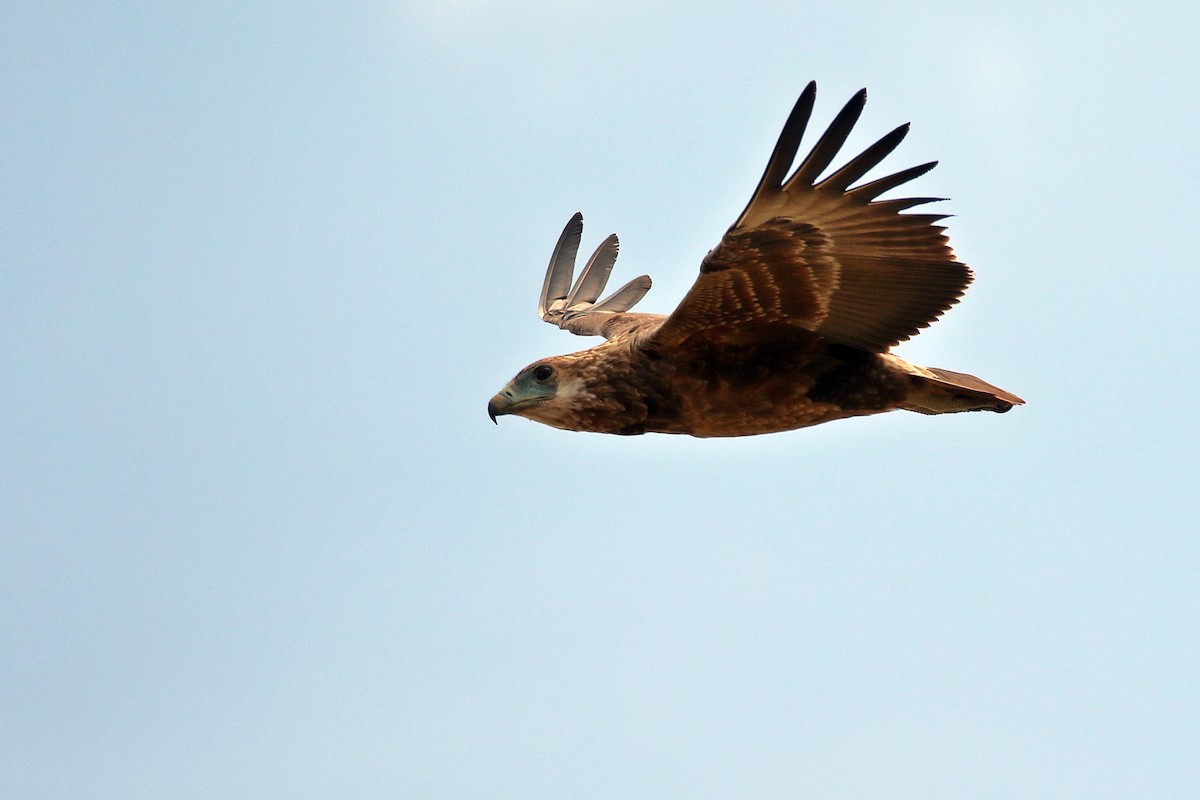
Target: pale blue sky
264	264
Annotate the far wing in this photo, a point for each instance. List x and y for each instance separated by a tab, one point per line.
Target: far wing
821	256
574	307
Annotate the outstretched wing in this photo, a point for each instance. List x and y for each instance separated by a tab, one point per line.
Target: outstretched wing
823	257
574	307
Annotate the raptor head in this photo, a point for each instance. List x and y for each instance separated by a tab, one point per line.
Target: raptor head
571	392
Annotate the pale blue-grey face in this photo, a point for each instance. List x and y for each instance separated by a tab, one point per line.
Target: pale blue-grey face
532	387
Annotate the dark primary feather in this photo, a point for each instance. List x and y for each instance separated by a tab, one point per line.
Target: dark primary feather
869	191
827	147
785	150
861	164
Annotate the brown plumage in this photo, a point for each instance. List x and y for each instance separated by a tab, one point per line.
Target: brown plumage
789	323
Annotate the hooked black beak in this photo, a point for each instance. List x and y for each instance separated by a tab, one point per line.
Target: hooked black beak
498	406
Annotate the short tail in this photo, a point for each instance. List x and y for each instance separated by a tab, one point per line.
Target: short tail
940	391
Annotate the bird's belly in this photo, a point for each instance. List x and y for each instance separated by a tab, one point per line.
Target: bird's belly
748	415
767	390
786	396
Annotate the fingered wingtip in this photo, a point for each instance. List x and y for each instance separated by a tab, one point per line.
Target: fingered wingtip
563	300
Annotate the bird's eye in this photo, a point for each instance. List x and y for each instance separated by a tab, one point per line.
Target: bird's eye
543	372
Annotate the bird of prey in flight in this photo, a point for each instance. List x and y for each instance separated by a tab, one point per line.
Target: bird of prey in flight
789	323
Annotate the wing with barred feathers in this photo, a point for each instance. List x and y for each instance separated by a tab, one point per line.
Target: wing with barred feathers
819	256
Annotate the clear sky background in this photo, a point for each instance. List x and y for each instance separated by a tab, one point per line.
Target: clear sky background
264	264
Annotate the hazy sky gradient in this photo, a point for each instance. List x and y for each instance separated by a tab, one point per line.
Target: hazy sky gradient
264	264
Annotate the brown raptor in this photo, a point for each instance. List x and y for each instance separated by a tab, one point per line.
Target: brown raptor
789	323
